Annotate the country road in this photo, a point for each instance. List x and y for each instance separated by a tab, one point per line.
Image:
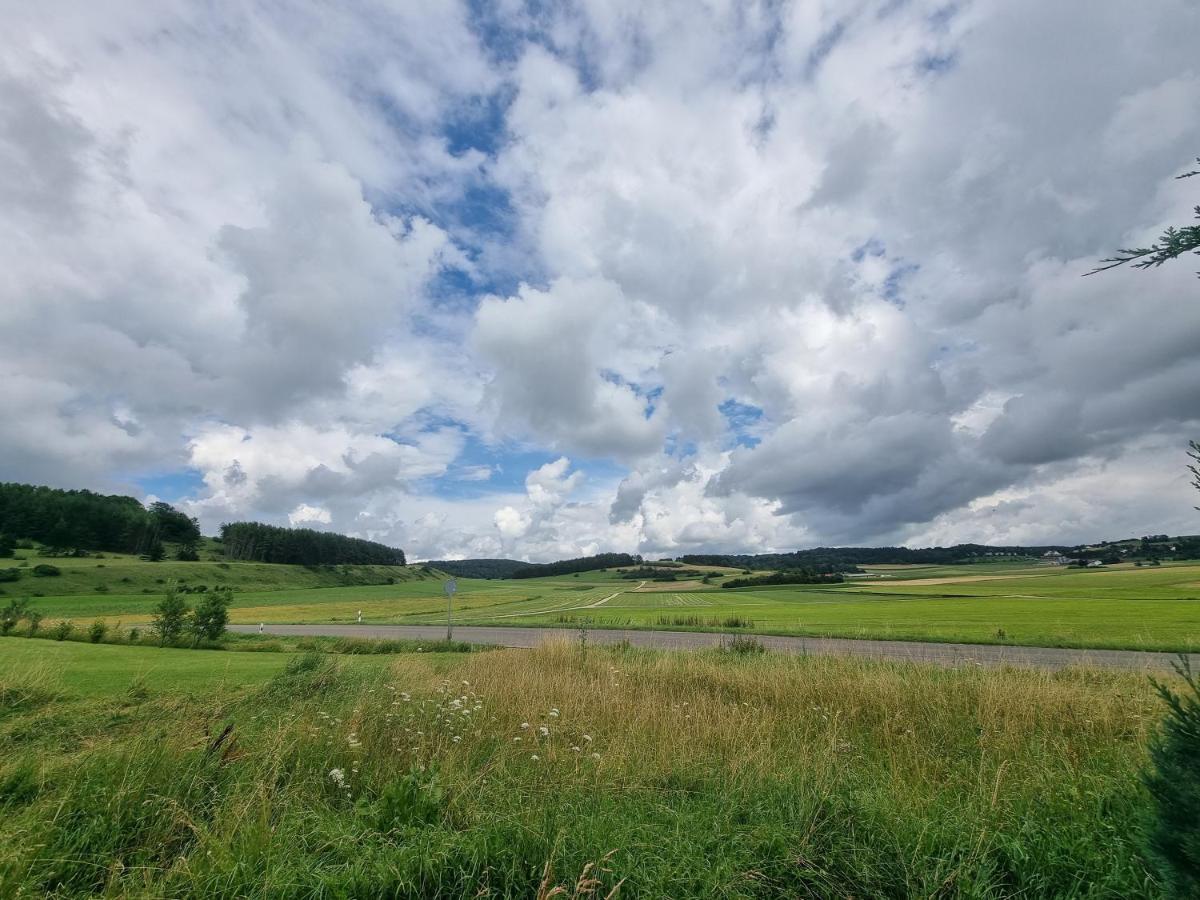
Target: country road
912	651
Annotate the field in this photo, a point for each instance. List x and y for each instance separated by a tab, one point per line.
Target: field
143	772
1122	607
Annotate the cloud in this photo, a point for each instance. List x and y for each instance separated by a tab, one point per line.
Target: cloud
643	277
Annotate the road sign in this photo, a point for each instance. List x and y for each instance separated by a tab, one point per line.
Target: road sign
449	587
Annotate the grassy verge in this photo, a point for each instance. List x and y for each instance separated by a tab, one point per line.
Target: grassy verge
510	774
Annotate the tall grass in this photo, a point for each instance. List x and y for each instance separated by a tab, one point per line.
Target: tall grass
516	774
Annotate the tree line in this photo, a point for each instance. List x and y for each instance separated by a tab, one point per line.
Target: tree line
794	576
580	564
845	559
477	568
256	542
67	521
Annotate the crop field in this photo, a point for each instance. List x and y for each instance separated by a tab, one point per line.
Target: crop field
1122	607
142	772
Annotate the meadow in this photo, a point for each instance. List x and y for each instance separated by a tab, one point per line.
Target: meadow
1121	607
565	771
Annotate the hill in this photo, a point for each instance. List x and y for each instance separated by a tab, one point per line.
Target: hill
478	568
580	564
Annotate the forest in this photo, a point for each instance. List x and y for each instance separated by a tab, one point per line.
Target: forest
477	568
80	520
581	564
256	542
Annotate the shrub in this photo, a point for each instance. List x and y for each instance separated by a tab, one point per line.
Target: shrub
170	618
97	630
35	622
45	570
210	616
101	589
135	634
14	612
1173	781
413	800
743	646
10	575
62	630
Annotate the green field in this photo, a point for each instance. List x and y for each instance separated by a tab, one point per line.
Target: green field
1120	607
142	772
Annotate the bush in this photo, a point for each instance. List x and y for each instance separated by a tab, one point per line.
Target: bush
35	622
742	646
210	616
10	575
45	570
62	630
134	635
170	618
97	630
1174	784
14	612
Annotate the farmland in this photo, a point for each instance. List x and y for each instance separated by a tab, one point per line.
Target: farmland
1122	607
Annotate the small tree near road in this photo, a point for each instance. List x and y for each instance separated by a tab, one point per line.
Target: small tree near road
170	617
210	616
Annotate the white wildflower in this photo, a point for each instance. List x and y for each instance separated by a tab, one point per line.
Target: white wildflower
338	777
543	731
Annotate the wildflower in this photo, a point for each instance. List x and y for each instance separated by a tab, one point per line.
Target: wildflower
595	756
338	777
456	739
516	740
588	738
554	712
577	749
524	726
535	757
544	731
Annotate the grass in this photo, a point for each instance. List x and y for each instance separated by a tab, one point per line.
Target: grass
1119	608
696	775
105	669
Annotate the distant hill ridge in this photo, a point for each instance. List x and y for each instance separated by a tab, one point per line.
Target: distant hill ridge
832	559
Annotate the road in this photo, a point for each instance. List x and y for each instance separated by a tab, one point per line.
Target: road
912	651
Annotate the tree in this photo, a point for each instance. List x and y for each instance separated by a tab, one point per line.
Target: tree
210	616
186	552
170	617
7	546
1171	244
172	525
155	552
1174	785
1194	466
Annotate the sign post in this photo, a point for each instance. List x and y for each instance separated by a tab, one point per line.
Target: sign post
449	587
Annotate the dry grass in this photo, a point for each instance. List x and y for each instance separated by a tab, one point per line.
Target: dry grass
630	772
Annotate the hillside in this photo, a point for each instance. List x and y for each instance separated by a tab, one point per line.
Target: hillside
124	574
478	568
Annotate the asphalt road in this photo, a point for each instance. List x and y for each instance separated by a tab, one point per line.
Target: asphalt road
913	651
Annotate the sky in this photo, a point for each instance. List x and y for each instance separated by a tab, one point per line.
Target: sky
540	280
